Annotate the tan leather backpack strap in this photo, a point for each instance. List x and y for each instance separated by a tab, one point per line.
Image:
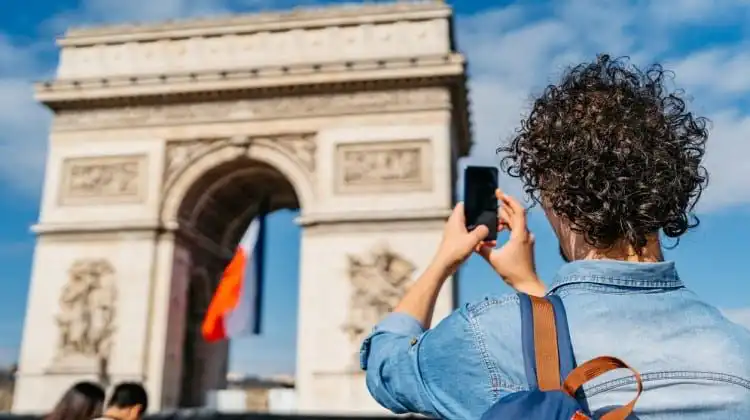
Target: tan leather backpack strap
595	368
545	344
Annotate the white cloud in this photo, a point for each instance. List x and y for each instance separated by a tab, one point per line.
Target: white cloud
15	60
23	137
726	156
115	11
140	10
716	71
696	12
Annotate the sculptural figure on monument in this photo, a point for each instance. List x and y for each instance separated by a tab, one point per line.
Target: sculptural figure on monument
88	178
87	310
377	287
103	317
125	179
104	178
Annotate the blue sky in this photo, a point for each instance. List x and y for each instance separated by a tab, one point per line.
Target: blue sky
514	49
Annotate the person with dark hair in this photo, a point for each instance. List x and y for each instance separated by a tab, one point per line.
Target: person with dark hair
82	401
614	159
129	401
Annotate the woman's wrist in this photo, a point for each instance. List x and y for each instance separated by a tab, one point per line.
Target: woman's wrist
443	265
440	269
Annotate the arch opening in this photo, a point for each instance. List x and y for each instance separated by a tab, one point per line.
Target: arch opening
223	201
213	215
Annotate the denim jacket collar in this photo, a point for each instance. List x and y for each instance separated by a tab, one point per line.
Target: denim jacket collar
657	275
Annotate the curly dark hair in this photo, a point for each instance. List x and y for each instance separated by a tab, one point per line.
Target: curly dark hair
614	152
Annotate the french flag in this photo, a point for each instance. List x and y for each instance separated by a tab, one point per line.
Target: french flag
235	307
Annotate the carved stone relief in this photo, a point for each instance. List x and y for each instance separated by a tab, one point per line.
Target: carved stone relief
302	147
103	180
252	110
384	166
379	281
88	311
181	154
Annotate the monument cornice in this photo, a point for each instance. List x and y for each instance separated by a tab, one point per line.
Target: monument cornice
177	227
46	228
300	18
444	71
392	216
56	93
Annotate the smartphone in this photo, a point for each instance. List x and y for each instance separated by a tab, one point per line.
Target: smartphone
480	203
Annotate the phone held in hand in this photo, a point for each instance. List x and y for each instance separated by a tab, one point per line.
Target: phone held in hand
480	203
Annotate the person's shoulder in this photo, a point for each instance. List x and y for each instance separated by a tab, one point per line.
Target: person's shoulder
494	306
495	327
495	324
479	347
470	317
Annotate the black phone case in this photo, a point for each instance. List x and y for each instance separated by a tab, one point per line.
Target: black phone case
489	219
475	183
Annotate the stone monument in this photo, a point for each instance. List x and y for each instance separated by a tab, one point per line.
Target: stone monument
164	139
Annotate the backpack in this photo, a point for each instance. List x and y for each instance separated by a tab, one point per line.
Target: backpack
554	380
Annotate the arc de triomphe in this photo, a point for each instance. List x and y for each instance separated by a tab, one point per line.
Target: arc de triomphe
165	136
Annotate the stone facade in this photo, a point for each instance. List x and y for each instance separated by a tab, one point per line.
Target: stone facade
165	139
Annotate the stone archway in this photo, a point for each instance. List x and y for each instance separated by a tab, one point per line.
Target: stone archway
218	186
356	115
291	155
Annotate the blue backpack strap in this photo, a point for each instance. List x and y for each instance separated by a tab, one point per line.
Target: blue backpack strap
564	344
527	340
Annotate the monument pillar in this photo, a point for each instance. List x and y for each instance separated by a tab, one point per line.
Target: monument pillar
389	194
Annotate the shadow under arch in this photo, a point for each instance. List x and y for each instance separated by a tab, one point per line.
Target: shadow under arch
210	203
263	151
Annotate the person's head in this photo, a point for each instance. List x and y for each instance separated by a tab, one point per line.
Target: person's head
613	157
129	401
83	400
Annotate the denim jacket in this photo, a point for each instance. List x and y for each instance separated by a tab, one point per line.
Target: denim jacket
695	363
